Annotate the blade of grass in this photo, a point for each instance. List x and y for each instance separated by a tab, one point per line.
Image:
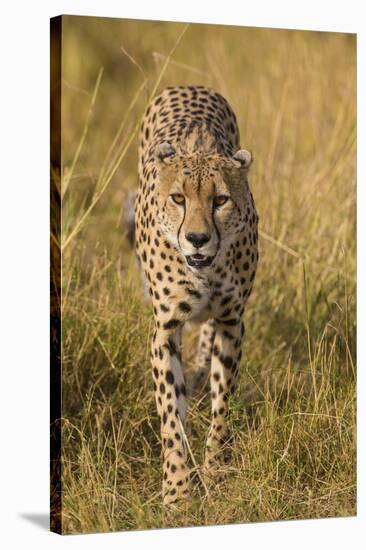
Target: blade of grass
66	181
122	154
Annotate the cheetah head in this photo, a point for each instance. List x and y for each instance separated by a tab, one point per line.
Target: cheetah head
202	200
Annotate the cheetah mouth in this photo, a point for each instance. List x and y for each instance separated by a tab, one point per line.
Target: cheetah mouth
198	260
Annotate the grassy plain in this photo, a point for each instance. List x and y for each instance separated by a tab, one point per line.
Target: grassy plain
293	414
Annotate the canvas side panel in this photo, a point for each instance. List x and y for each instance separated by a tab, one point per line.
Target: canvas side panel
55	276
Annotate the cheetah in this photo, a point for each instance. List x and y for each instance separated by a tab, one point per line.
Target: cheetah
196	240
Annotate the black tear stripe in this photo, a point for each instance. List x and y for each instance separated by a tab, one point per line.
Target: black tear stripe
217	231
181	225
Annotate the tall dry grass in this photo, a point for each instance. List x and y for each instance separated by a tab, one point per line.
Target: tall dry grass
293	415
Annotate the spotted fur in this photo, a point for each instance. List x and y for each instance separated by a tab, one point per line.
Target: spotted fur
196	239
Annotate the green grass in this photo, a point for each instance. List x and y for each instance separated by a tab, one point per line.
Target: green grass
293	415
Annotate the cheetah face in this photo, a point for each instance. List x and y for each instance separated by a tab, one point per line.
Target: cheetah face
202	201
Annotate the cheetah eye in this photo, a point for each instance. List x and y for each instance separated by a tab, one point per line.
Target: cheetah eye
178	199
220	200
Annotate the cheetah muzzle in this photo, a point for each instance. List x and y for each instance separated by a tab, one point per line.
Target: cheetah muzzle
196	240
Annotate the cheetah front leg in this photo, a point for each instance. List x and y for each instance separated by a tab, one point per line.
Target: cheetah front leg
203	359
226	356
171	404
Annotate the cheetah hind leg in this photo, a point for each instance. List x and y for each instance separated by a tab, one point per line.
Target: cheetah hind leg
200	382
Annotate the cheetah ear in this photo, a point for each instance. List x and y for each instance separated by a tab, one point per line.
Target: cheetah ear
164	151
243	157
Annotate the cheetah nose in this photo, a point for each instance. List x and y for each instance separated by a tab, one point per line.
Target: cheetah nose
197	239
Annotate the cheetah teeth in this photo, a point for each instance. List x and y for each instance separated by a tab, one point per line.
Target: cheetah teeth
198	260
